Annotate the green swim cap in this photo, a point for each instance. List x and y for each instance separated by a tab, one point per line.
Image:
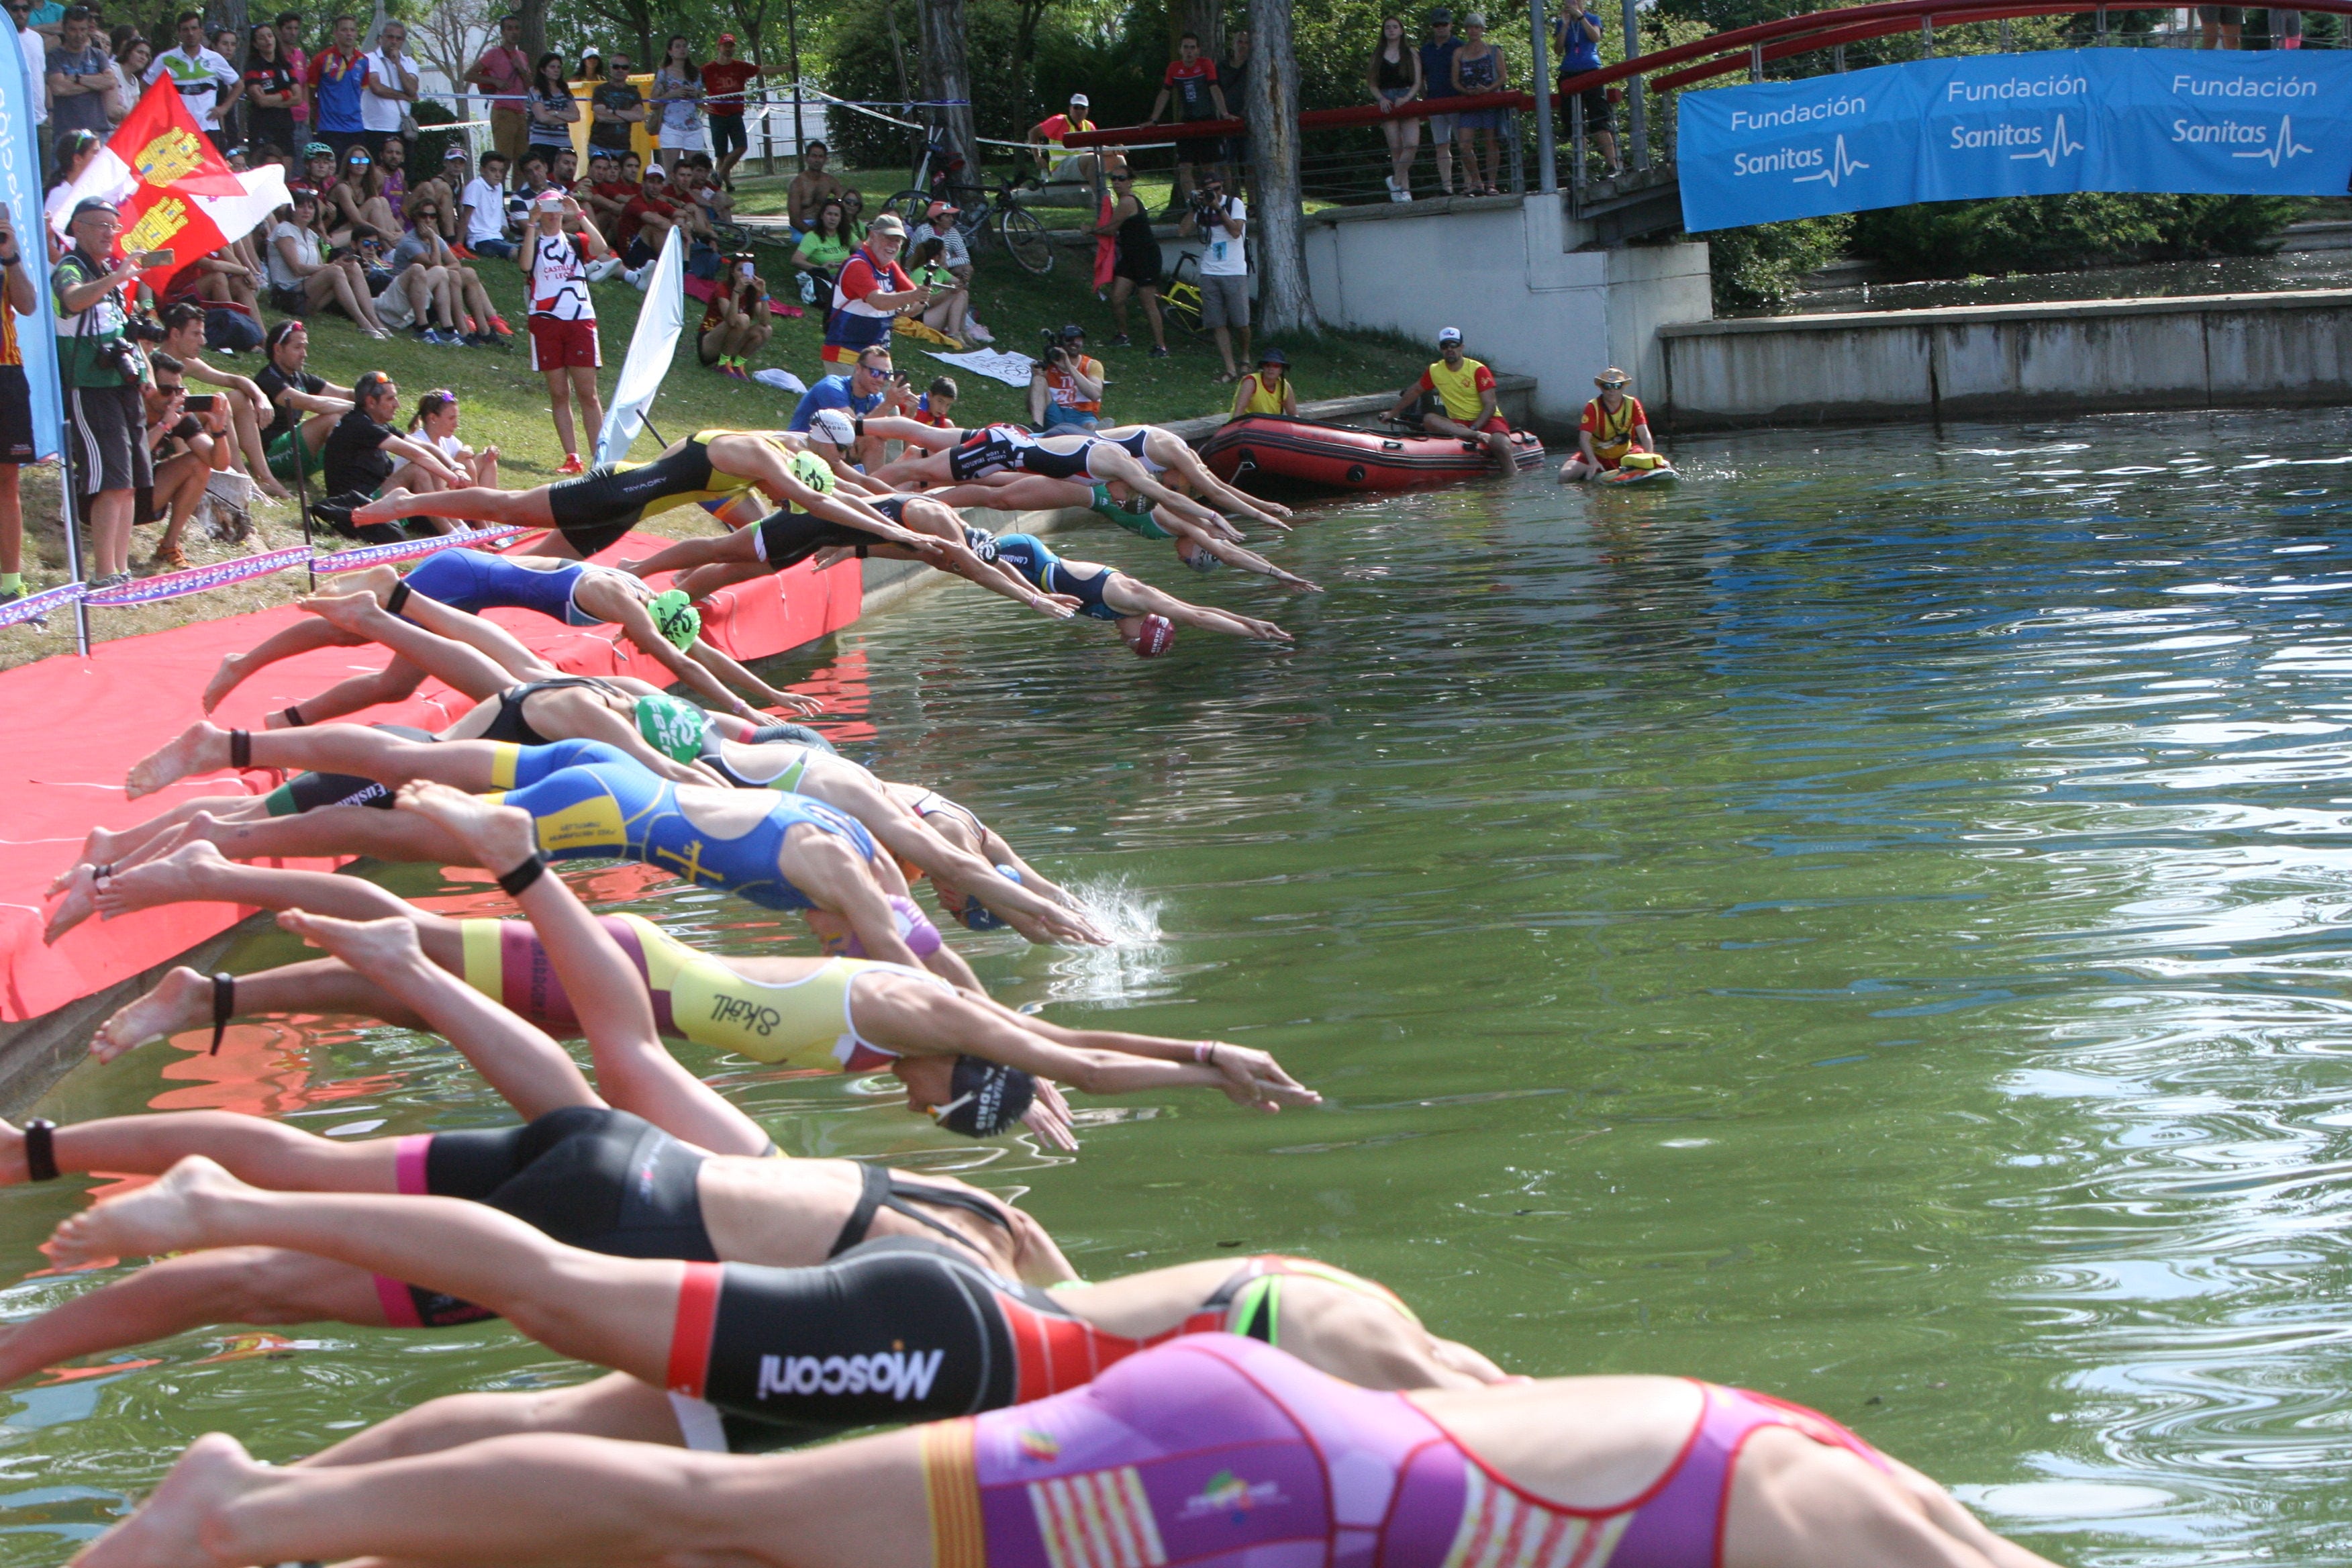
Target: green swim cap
813	471
679	621
672	726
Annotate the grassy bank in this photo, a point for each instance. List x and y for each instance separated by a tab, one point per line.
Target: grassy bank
505	404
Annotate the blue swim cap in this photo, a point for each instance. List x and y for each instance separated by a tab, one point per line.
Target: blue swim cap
977	916
988	1097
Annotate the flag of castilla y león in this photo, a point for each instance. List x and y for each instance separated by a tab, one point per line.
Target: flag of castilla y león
174	191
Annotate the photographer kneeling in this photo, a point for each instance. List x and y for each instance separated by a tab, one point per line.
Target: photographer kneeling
1065	386
184	451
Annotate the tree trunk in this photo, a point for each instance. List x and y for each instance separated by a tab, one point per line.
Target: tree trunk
1205	20
534	26
1283	303
947	79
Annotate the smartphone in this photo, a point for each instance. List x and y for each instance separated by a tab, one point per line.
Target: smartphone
157	258
743	271
200	401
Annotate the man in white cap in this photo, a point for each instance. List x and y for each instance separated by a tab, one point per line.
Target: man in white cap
563	324
1050	140
1465	397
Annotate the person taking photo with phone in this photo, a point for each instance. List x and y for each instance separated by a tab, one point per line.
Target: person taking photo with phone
737	324
102	371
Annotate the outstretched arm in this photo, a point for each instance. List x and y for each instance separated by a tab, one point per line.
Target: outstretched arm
1139	597
687	553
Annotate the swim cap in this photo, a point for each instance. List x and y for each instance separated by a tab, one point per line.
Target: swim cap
679	621
832	425
1155	637
672	726
987	1098
813	470
977	916
1198	559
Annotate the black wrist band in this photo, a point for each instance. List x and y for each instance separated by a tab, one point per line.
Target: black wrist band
240	748
292	714
224	1008
522	875
398	596
41	1152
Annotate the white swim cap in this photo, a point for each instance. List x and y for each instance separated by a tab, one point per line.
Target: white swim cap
832	425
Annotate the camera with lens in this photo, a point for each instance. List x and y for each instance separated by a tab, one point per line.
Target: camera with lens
1054	352
143	329
1208	209
123	355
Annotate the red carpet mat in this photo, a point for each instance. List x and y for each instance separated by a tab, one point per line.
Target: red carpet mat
77	725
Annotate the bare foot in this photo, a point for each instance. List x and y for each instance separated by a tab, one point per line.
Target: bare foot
275	491
165	1215
181	1001
100	848
201	748
345	612
379	580
174	878
391	504
500	837
372	947
226	679
80	904
171	1527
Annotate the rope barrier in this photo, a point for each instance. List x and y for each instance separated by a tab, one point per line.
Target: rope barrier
244	569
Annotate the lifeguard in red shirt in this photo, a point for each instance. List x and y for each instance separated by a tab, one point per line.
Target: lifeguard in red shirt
1615	426
1465	394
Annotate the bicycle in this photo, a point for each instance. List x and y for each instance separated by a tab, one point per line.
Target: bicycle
1179	295
981	214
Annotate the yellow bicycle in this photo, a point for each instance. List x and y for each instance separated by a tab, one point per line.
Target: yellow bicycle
1180	296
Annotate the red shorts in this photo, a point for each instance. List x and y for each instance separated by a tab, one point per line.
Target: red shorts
554	345
1497	424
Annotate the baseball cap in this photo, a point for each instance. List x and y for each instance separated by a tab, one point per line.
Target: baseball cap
550	197
985	1098
1475	20
939	209
1450	335
887	224
832	425
317	150
1438	16
1072	330
453	154
1081	100
93	204
726	38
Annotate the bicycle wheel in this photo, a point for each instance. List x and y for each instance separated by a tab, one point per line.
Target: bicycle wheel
1180	297
908	206
1024	240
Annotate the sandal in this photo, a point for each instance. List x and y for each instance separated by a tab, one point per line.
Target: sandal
170	557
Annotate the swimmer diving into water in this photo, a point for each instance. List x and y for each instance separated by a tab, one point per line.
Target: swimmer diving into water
1146	617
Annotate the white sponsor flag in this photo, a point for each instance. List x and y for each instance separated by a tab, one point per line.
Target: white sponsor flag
659	321
1012	368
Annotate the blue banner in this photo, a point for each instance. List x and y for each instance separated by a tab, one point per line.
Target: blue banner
20	187
2268	123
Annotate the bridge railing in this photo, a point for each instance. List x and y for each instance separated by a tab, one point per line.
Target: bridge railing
1344	156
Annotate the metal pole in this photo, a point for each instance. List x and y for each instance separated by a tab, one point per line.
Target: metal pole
66	511
1547	143
1755	62
793	47
2005	45
2102	25
1837	59
1927	35
1637	113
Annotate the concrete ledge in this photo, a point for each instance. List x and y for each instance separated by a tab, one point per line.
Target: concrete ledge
2284	348
1514	397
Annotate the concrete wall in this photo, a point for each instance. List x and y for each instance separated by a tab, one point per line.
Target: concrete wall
2202	352
1503	271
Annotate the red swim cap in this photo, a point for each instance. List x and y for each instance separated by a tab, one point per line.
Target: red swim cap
1155	637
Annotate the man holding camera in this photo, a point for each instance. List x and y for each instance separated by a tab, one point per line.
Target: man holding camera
102	371
185	450
1219	219
1065	387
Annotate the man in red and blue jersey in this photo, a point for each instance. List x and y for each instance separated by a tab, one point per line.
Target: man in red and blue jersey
871	290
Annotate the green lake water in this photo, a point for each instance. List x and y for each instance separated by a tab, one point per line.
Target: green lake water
1864	923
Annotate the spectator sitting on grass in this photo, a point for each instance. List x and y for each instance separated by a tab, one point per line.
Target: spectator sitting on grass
483	209
857	393
822	250
949	298
809	187
936	406
183	454
1065	387
301	280
530	180
1267	389
736	325
437	282
306	406
358	460
604	196
939	224
717	204
853	206
435	421
652	215
447	189
248	407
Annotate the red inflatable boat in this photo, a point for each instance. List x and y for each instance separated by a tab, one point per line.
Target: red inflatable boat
1341	457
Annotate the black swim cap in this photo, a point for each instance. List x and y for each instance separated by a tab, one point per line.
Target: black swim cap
985	1098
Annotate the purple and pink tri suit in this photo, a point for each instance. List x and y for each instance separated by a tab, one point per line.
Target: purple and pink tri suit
1218	1449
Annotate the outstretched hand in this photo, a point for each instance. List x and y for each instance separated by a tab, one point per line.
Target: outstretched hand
1254	1077
1048	1116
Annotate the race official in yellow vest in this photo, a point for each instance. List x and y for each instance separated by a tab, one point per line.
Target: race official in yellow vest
1613	427
1266	390
1466	391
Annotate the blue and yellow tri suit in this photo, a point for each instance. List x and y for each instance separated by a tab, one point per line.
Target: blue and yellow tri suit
619	811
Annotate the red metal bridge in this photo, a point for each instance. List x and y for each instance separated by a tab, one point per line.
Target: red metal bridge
1645	199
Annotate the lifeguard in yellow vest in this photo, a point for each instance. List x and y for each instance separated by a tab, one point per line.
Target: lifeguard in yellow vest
1614	427
1267	389
1466	388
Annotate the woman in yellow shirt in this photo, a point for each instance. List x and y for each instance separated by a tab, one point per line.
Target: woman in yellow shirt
1267	389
